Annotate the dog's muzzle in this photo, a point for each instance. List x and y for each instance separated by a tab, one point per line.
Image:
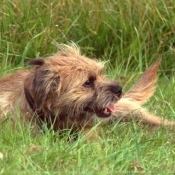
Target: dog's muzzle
107	106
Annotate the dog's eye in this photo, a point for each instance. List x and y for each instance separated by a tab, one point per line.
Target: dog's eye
89	83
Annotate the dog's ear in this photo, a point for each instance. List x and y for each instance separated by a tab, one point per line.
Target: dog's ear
46	87
36	62
46	84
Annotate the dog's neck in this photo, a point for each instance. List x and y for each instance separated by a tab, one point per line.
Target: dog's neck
32	105
29	99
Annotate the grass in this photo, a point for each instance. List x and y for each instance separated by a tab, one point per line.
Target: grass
131	35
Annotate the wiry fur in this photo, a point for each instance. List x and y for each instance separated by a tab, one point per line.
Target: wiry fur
68	90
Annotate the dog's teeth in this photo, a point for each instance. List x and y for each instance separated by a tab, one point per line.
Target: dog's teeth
106	111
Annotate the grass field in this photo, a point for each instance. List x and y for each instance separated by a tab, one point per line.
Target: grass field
131	35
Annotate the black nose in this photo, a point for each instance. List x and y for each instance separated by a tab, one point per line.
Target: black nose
117	90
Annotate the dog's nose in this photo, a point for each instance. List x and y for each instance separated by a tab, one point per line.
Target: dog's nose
117	90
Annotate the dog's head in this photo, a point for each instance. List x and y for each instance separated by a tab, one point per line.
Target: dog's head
74	85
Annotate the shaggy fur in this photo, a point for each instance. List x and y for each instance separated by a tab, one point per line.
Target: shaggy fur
68	90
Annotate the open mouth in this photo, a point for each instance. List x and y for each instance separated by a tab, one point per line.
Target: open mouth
107	111
104	112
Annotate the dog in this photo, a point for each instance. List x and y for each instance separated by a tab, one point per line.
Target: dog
65	90
69	90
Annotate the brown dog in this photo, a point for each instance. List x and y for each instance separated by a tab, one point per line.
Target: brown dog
68	90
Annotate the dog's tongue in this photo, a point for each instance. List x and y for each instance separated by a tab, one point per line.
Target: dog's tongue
111	108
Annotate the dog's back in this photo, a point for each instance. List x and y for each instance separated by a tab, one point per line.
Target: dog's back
12	91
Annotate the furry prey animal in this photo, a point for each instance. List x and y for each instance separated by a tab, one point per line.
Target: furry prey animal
130	105
69	90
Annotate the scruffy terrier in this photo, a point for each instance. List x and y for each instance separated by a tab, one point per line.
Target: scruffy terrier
68	90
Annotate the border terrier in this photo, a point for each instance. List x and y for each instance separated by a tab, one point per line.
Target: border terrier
69	90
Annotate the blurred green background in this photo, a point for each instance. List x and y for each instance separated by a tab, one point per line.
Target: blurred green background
130	33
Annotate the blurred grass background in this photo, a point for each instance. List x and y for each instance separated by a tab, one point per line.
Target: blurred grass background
131	34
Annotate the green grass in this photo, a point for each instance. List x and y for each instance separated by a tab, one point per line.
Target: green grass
131	35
